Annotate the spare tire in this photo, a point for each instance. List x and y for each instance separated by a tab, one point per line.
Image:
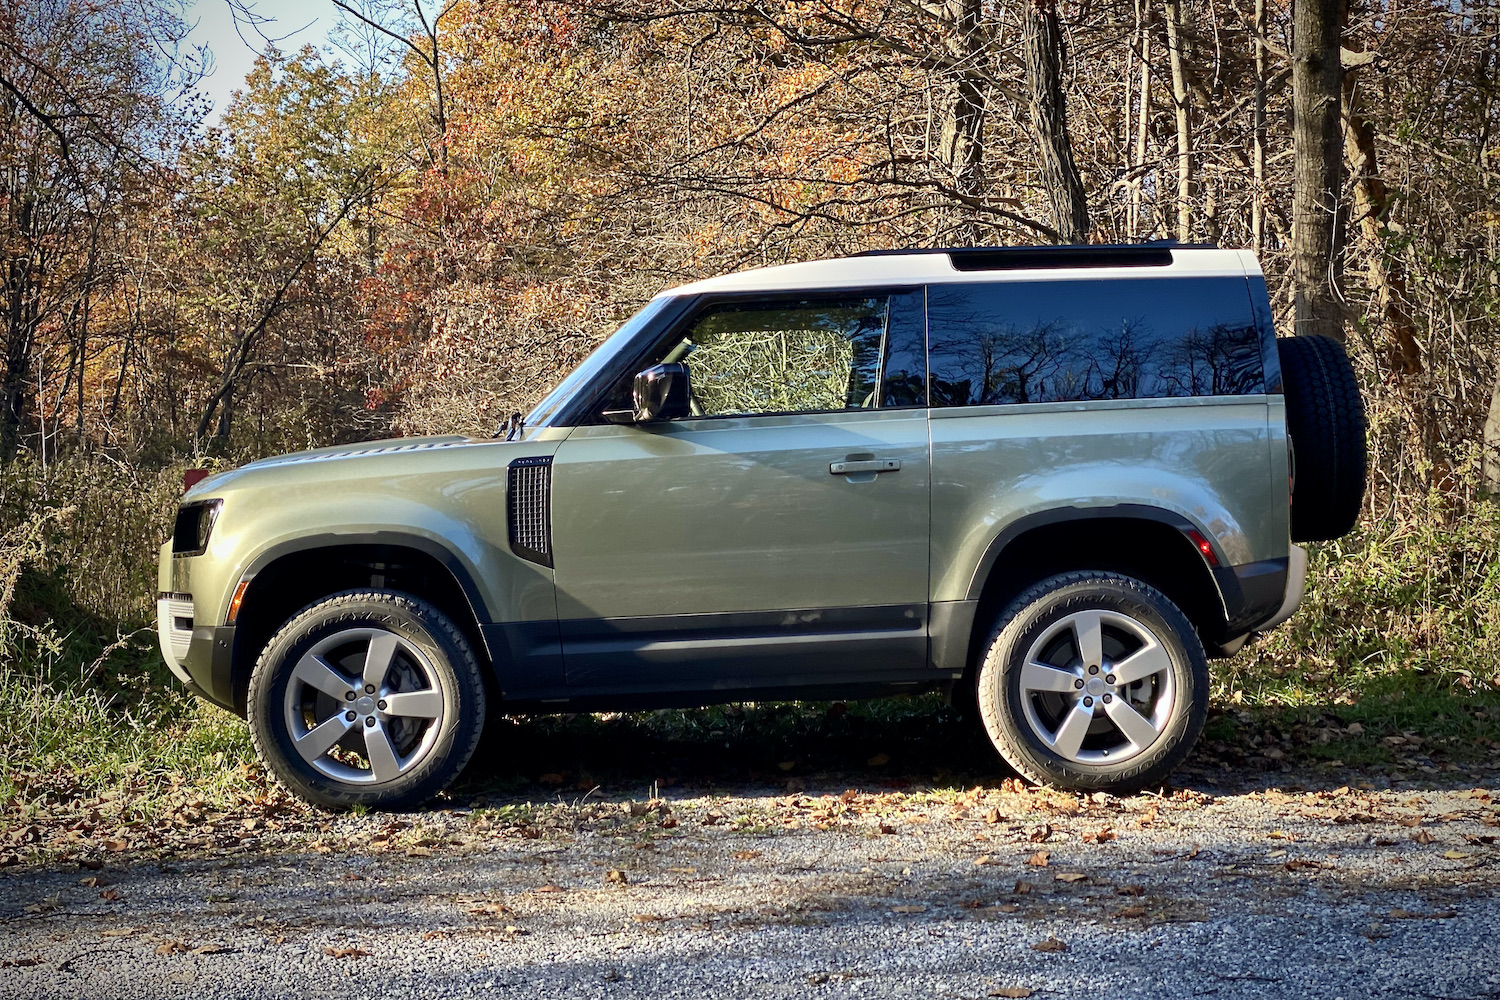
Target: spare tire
1325	420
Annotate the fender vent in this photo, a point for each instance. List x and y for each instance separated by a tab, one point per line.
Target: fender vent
528	499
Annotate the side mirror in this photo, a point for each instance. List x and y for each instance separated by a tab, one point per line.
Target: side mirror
660	393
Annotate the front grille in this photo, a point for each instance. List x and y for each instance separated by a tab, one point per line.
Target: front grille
529	508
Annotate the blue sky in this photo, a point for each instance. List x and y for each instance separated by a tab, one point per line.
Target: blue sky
302	22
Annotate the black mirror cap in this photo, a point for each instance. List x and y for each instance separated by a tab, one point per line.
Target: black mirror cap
661	393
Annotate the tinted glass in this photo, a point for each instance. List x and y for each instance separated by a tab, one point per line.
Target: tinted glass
1056	341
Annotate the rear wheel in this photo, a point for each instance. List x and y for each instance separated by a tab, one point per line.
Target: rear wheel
367	698
1094	681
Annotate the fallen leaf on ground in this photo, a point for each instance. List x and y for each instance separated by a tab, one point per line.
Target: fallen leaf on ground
1039	859
1039	834
985	859
119	932
1070	876
683	871
93	881
1010	991
887	828
908	909
1130	890
992	817
1022	888
746	855
1422	837
21	963
1456	855
351	952
1104	836
1051	944
1399	914
209	949
171	948
616	876
646	918
552	888
1131	911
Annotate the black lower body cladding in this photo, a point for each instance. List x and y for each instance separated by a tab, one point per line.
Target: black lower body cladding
1325	418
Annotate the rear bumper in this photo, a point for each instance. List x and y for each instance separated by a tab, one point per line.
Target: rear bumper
1296	586
201	656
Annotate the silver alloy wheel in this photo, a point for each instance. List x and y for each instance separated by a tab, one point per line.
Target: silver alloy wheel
1097	687
364	691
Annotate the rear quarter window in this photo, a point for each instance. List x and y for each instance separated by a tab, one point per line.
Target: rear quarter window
1068	341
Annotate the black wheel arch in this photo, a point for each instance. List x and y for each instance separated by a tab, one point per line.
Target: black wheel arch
287	577
1148	543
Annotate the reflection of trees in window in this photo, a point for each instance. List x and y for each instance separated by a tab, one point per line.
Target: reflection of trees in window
1223	360
791	358
1103	340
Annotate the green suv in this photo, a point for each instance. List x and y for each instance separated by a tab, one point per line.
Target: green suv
1052	482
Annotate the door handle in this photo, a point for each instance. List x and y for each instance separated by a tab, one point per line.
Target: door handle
847	468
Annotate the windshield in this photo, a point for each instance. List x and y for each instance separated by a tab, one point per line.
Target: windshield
585	372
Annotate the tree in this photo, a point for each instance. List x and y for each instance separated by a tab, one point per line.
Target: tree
1043	44
1318	209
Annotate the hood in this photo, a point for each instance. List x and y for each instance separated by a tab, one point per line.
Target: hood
386	447
367	449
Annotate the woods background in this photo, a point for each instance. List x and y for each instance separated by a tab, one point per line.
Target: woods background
425	229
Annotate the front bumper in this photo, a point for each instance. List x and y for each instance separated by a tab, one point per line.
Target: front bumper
201	656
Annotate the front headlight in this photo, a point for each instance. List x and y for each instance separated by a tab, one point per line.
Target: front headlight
195	522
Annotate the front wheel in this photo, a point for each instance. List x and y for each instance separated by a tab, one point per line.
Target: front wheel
368	698
1093	681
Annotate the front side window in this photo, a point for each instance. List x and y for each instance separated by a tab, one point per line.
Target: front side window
1067	341
813	355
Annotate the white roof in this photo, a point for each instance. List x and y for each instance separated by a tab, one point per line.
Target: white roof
924	268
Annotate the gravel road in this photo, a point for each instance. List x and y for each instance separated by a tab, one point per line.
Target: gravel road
992	891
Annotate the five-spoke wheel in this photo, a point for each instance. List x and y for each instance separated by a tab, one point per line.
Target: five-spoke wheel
368	697
1093	680
364	692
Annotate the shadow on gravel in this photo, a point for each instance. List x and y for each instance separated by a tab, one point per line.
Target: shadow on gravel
891	743
897	743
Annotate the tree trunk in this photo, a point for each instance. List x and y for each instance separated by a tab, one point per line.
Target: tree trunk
961	146
1184	121
1258	191
1372	207
1317	212
1049	120
1490	458
1143	126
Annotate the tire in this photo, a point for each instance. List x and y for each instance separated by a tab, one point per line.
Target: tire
417	706
1325	419
1035	713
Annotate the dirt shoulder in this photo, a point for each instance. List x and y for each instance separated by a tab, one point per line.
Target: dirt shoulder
992	890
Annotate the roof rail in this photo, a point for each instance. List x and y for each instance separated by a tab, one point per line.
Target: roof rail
1155	254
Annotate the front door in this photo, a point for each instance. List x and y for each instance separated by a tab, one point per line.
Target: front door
776	537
